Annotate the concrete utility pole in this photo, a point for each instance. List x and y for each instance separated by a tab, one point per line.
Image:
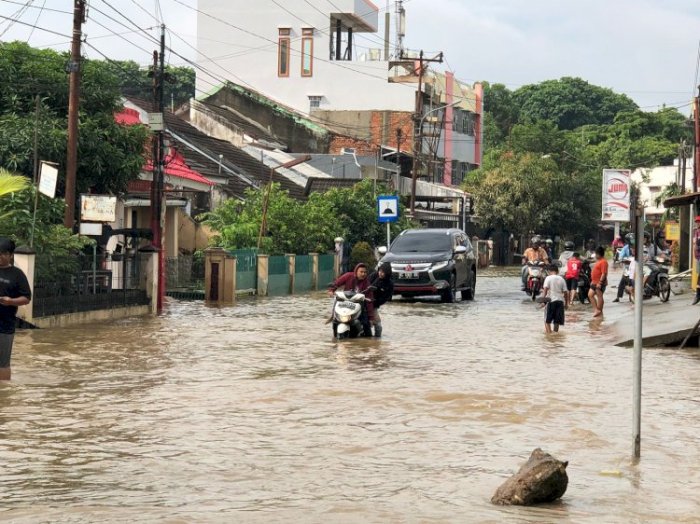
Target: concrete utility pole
73	104
638	307
418	123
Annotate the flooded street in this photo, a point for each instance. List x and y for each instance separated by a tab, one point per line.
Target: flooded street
253	414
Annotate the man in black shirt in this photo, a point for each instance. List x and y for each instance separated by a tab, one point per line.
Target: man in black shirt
14	292
383	293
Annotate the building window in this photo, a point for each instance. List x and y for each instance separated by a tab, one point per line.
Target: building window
314	102
307	52
283	53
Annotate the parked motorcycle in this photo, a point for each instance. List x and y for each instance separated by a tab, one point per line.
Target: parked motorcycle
584	279
350	315
536	273
658	284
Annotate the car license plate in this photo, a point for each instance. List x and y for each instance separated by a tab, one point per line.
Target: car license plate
408	275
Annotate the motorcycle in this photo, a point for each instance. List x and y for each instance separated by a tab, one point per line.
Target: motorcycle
350	315
658	284
535	279
584	280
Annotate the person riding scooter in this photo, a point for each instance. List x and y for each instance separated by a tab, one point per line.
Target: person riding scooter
534	254
359	282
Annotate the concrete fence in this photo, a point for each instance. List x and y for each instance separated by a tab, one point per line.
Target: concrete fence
245	272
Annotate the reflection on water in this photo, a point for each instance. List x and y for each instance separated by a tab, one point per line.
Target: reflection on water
254	413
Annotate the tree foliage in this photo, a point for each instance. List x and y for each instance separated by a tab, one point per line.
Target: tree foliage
109	155
561	134
570	103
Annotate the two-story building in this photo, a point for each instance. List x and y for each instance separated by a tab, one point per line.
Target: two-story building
329	60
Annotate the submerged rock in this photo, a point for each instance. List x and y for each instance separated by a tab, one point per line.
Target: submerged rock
541	479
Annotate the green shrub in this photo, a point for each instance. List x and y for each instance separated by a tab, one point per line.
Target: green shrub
362	253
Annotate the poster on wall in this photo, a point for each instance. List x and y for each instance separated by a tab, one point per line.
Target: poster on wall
616	195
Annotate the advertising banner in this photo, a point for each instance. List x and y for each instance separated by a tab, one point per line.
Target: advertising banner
616	195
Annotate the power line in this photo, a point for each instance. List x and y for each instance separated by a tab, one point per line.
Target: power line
16	21
36	21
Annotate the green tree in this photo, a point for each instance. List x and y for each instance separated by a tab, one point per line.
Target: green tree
524	193
109	154
570	103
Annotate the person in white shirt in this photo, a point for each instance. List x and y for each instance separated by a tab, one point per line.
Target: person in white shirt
555	289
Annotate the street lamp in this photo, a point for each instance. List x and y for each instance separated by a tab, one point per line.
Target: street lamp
414	175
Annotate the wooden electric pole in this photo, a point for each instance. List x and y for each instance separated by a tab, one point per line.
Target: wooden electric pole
418	123
73	104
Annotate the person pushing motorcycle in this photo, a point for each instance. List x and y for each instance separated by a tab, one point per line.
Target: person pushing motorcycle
358	281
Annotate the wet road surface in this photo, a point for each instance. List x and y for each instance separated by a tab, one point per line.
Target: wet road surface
252	413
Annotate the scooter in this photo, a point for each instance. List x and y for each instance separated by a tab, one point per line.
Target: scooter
350	315
535	279
658	284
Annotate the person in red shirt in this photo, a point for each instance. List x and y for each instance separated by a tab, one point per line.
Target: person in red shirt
573	268
358	281
599	281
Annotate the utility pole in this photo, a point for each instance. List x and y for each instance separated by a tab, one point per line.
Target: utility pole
158	205
73	102
418	123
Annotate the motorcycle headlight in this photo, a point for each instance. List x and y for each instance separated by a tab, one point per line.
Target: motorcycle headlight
345	318
439	265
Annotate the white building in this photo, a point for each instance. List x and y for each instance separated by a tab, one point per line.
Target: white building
654	181
327	59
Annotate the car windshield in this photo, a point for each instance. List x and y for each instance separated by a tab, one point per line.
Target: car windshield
422	244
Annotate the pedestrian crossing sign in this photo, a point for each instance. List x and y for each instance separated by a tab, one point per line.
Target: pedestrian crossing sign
388	208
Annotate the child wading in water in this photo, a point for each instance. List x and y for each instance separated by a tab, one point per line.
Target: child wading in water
555	289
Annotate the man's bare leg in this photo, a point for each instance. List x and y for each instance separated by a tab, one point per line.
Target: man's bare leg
5	373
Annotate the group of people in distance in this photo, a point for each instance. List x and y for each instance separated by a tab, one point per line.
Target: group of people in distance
560	287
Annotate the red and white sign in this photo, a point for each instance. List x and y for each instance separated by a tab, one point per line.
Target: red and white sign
616	195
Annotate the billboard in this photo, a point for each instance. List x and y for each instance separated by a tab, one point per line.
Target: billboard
98	208
616	195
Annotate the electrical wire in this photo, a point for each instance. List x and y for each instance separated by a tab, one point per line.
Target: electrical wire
16	21
15	17
37	20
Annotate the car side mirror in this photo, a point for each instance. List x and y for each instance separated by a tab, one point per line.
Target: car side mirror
382	250
460	250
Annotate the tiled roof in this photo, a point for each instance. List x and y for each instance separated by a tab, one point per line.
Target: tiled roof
202	152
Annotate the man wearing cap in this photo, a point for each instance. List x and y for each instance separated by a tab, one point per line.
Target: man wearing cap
14	292
696	243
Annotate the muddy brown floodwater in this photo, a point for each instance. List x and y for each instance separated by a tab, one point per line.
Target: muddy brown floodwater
253	414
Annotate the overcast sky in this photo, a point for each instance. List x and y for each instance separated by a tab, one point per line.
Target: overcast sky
647	49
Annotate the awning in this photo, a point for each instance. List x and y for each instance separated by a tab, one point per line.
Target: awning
682	200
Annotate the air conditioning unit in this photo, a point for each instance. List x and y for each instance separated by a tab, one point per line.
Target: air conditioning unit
347	151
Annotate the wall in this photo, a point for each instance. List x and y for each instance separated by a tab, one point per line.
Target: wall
372	129
358	85
87	317
192	235
299	136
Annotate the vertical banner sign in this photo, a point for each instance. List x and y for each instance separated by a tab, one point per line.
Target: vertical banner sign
616	195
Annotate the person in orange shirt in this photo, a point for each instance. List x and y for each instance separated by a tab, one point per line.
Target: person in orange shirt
599	281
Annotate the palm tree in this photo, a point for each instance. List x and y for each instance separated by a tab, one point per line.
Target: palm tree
9	184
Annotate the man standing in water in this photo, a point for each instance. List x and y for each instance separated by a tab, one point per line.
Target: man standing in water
14	292
599	281
555	289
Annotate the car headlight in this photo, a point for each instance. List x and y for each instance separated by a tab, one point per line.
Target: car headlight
440	265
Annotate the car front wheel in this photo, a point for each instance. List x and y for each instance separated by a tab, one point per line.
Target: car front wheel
468	294
448	295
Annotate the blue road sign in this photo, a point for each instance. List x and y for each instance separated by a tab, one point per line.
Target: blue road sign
388	208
